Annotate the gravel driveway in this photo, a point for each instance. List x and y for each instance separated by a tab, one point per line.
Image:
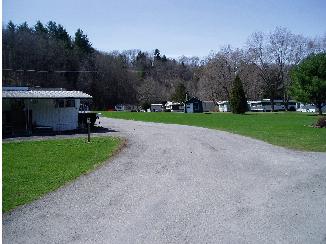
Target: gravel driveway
183	184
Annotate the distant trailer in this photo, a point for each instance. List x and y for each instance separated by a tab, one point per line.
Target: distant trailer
209	106
265	105
157	107
126	108
293	105
260	106
224	106
174	107
310	108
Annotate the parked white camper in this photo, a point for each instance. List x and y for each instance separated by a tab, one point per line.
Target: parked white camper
174	106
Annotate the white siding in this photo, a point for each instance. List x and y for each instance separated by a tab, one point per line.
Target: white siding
156	108
190	108
44	113
224	107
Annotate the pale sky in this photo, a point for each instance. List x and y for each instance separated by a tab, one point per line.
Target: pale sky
174	27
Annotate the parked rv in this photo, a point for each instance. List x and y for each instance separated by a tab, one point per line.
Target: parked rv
174	107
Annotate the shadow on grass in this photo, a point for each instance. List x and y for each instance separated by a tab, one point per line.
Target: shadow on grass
316	115
95	129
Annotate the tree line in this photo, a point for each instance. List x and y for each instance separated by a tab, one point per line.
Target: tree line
46	55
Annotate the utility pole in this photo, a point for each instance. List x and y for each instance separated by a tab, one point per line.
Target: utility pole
186	102
88	129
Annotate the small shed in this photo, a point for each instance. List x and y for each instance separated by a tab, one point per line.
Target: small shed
193	105
27	108
209	106
224	106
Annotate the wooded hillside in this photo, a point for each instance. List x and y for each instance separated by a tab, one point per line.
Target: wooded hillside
46	55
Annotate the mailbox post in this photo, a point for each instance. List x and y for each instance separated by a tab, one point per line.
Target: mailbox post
88	129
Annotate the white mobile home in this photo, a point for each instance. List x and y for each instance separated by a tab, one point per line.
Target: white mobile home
224	106
309	108
157	107
28	108
279	105
126	108
260	106
265	105
293	105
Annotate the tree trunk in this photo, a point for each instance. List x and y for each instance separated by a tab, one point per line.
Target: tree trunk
272	104
320	112
286	101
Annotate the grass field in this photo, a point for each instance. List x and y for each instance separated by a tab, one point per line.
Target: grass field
287	129
32	168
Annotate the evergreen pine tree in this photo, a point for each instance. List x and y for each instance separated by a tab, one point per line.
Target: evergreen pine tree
11	26
164	58
238	98
52	29
180	93
40	28
24	27
82	43
157	54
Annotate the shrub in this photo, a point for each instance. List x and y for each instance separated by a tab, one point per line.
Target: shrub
238	98
145	105
321	122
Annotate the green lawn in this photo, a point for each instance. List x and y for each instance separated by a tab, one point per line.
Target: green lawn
288	129
32	168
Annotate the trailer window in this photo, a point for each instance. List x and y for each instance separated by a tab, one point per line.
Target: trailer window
266	103
70	103
64	103
60	103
